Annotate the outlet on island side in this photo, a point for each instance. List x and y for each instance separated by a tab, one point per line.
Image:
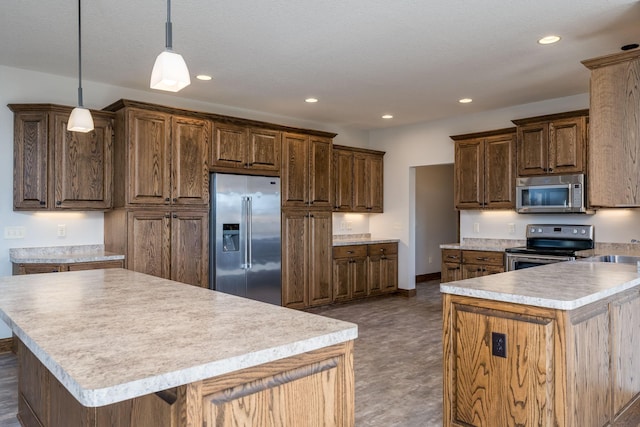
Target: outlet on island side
498	344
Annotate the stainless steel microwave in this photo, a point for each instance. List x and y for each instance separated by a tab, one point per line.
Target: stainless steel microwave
551	194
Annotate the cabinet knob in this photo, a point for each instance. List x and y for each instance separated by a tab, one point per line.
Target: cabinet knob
175	200
550	169
175	215
349	252
42	203
167	200
58	203
167	216
383	257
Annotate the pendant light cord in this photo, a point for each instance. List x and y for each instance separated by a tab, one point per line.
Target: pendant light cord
80	104
168	35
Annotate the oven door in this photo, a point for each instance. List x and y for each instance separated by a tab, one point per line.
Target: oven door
519	261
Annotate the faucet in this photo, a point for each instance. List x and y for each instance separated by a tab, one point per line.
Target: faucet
635	241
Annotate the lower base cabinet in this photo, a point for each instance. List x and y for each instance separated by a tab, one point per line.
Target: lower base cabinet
508	364
364	270
466	264
23	268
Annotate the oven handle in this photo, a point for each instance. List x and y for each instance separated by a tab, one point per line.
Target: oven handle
543	259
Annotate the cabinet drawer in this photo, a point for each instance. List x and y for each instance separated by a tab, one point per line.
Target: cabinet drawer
483	257
383	249
451	255
349	251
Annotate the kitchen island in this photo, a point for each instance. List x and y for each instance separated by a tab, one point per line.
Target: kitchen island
556	345
116	347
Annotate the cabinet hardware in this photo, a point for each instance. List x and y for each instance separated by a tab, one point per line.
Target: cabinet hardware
58	203
175	215
167	200
42	202
482	258
383	257
167	216
349	252
175	200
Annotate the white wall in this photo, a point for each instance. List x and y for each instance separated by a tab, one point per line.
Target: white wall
350	223
429	144
22	86
436	217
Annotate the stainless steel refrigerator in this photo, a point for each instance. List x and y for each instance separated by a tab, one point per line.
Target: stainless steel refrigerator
245	236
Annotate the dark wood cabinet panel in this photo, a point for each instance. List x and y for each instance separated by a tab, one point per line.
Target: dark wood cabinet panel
148	242
190	247
358	180
230	145
458	265
294	171
56	169
553	144
350	273
189	169
320	179
343	180
264	149
320	257
484	170
246	148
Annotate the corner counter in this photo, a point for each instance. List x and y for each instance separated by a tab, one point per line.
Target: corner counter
63	258
116	343
550	345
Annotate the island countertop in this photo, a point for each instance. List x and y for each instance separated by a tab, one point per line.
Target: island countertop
563	285
114	334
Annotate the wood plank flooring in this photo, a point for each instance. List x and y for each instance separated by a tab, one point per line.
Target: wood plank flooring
398	361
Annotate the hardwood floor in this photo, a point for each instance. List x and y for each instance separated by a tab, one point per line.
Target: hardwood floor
398	361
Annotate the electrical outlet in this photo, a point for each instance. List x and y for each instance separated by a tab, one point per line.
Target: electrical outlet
17	232
430	260
62	230
498	344
511	227
476	227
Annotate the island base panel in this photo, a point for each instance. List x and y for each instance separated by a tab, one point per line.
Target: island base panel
311	389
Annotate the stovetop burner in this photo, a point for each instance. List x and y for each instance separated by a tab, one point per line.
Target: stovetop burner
559	240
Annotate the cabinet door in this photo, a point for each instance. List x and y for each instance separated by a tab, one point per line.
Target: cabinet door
230	146
189	169
190	247
320	161
320	258
294	171
450	272
95	265
360	183
567	146
342	279
469	174
499	172
625	313
469	271
359	277
343	180
374	275
375	184
489	390
30	161
295	259
39	268
83	169
149	242
533	146
149	173
264	149
389	273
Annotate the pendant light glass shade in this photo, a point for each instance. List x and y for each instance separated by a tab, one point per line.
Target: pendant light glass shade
169	72
80	119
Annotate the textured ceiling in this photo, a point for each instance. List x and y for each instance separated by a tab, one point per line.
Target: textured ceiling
360	58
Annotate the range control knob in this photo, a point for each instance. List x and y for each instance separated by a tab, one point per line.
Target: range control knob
532	230
583	231
575	231
539	230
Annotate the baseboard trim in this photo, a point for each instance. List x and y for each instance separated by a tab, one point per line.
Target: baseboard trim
6	345
428	277
406	292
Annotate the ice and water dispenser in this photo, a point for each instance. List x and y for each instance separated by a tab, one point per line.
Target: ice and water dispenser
230	237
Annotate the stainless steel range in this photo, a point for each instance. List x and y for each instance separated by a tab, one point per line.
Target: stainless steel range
549	243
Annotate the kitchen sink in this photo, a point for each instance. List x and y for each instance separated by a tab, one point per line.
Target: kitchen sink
618	259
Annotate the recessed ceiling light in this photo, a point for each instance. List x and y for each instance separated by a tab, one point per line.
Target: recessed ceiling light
387	116
203	77
311	100
549	40
465	100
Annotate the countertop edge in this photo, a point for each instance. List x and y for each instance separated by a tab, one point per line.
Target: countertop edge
62	259
365	241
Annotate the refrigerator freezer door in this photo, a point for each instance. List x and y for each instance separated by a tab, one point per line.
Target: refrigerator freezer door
263	277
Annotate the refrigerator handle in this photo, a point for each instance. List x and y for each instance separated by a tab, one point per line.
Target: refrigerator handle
245	203
249	232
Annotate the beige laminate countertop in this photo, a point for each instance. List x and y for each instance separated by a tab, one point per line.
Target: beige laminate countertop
113	334
497	245
62	254
563	285
362	241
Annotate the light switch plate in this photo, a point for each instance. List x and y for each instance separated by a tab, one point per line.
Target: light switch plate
16	232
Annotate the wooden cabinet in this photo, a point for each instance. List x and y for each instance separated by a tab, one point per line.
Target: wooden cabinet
484	169
245	148
306	258
350	276
553	144
55	169
451	265
364	270
24	268
162	159
458	265
557	367
614	121
306	171
169	244
358	180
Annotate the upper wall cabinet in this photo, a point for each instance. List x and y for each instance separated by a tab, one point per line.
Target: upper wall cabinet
484	170
553	144
306	171
245	148
358	180
55	169
161	159
614	146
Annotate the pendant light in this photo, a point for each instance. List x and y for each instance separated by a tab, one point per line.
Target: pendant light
80	119
170	72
